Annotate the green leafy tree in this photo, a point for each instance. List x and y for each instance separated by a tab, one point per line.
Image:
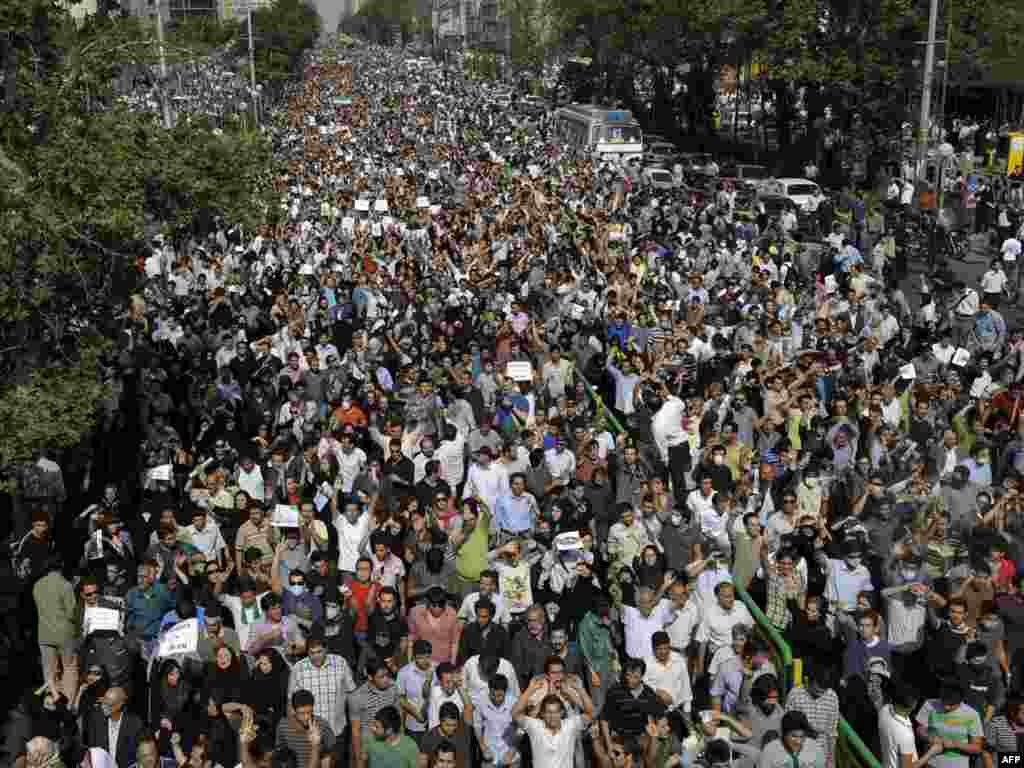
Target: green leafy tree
83	178
284	32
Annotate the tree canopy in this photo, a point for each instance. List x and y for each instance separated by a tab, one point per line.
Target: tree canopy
86	177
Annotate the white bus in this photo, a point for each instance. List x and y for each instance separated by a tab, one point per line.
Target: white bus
607	133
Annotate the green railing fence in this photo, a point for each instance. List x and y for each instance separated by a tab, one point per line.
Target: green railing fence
851	751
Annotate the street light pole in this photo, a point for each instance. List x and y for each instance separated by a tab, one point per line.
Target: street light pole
165	107
926	90
252	69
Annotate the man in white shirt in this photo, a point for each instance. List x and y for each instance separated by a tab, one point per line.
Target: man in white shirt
667	674
719	617
353	526
561	462
553	735
557	374
478	670
898	747
641	622
966	307
486	480
452	455
684	617
351	461
992	284
205	536
1011	249
488	589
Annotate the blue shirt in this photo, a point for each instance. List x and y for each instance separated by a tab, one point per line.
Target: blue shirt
515	514
144	611
291	604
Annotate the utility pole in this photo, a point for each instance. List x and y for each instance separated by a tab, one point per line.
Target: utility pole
926	91
945	76
165	106
252	70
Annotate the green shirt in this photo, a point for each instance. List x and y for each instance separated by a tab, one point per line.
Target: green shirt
401	754
471	558
960	725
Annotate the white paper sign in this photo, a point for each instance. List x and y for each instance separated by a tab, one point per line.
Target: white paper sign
162	472
285	516
348	224
183	637
908	372
519	371
375	229
362	205
101	619
961	357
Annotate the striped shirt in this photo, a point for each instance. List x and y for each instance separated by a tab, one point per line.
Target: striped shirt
330	684
367	701
823	715
294	736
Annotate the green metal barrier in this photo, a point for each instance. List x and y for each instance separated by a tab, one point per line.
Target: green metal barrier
781	652
851	752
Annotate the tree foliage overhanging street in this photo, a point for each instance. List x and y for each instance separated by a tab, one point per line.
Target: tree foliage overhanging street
852	56
87	178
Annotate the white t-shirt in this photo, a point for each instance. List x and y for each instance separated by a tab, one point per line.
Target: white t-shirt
896	738
553	750
993	281
640	629
1011	249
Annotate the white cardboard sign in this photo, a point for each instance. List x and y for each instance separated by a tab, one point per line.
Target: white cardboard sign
100	619
285	516
519	371
183	637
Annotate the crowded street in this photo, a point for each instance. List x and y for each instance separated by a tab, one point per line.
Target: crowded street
519	436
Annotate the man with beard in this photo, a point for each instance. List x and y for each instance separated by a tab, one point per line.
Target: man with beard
387	632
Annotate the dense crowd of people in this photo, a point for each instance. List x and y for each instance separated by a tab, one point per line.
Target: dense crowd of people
493	455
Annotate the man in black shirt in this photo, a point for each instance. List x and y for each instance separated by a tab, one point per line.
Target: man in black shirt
629	703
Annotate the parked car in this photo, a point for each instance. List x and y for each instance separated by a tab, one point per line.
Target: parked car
749	175
699	163
804	192
775	204
659	153
659	178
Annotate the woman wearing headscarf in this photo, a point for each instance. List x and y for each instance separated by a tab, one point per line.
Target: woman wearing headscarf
266	689
227	675
169	696
212	726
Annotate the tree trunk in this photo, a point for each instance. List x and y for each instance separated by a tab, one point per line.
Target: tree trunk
783	114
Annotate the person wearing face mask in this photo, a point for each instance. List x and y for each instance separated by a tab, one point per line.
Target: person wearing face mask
297	600
114	728
981	682
846	577
719	474
906	607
